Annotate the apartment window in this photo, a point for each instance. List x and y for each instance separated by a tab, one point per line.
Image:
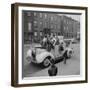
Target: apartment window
40	33
45	16
35	23
51	18
40	15
64	21
35	33
40	23
35	14
28	13
29	26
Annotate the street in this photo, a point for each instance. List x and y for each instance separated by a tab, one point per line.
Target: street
72	66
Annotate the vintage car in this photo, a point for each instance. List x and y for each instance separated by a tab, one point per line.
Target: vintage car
40	55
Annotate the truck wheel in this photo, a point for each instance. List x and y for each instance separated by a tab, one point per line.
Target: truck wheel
46	62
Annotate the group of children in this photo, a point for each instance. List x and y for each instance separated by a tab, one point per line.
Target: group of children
49	42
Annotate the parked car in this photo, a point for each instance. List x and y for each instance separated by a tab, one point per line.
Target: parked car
40	55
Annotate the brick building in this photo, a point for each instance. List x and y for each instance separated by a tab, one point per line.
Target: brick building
37	24
70	27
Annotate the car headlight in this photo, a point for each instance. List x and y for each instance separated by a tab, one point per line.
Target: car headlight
29	59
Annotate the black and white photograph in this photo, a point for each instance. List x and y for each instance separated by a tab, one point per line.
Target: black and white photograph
51	40
51	44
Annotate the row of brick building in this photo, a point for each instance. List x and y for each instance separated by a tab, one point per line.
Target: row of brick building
37	24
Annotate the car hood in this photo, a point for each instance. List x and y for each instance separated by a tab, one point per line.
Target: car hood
39	51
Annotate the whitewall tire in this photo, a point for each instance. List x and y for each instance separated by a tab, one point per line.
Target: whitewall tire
46	62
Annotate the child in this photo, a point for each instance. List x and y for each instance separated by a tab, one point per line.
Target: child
53	69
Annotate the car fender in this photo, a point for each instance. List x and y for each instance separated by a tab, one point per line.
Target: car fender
29	56
41	57
29	53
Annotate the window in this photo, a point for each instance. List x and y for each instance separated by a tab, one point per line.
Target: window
40	23
45	16
29	26
40	15
28	14
35	14
51	18
40	33
64	21
35	33
35	23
